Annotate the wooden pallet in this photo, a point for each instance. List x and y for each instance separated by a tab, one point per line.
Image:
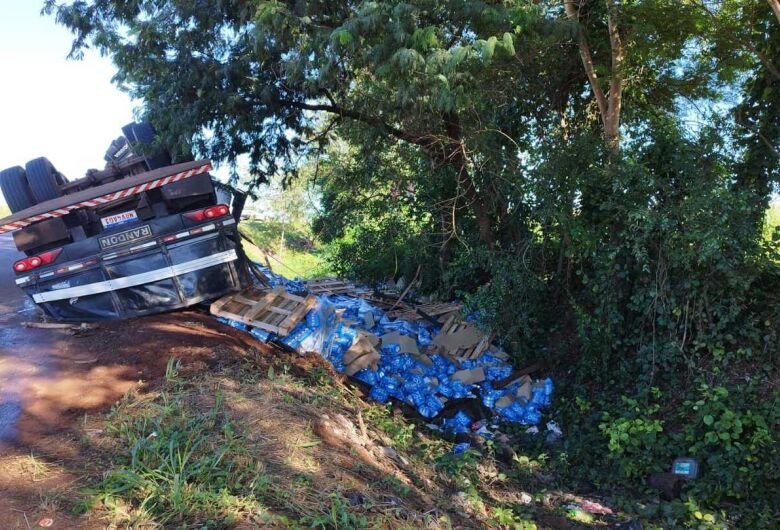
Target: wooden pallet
383	301
423	310
329	286
454	324
273	310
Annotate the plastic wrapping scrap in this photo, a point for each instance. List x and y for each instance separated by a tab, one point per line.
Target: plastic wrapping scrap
459	423
235	324
461	448
261	334
296	286
403	367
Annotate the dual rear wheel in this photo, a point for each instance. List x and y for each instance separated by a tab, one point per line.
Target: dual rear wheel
37	182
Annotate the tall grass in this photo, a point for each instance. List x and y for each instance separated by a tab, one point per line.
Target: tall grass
772	225
179	466
181	462
290	249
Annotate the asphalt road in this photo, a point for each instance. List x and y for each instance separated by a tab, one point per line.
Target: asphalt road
24	355
12	299
13	367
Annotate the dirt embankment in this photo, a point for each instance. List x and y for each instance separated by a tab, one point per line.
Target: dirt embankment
55	385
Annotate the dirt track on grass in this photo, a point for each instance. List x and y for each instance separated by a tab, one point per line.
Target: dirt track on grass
52	384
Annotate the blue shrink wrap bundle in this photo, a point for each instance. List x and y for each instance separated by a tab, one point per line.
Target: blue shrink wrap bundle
422	380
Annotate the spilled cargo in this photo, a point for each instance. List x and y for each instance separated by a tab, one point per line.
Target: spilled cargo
422	360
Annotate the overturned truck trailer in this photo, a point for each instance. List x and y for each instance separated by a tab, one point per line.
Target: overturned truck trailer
141	236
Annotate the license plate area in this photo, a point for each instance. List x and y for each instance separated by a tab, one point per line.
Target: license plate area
119	219
127	236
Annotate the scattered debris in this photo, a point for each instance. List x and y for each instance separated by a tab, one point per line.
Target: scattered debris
668	485
470	377
330	286
461	448
74	329
274	310
554	432
362	354
462	340
433	310
687	468
595	507
438	363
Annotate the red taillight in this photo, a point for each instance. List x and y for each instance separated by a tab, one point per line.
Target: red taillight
34	262
209	213
216	211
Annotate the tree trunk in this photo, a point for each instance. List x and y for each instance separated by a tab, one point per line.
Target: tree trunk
484	220
447	229
455	155
775	5
451	151
609	105
615	102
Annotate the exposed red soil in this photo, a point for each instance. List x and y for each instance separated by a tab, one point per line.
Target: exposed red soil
62	381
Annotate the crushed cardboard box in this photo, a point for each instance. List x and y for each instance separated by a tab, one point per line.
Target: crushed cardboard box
470	377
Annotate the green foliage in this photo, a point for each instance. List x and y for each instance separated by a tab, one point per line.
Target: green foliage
734	433
772	226
175	475
267	234
290	250
336	516
462	139
506	518
632	437
400	432
730	430
374	221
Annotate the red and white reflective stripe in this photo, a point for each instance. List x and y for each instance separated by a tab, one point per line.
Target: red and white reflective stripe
91	203
195	231
136	279
131	250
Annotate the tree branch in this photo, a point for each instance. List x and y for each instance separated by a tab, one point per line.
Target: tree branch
587	60
734	38
612	125
424	140
775	5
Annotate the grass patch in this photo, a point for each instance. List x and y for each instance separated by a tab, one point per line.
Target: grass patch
772	224
241	446
237	447
290	250
173	472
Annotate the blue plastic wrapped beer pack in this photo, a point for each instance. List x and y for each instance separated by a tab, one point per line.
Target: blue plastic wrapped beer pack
422	380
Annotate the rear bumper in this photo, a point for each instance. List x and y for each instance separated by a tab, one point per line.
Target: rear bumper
161	273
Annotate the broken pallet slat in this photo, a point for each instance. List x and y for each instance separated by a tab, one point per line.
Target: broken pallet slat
436	309
273	310
381	302
330	286
479	349
517	374
425	311
451	325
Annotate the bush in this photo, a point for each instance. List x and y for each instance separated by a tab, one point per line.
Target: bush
732	431
633	437
638	279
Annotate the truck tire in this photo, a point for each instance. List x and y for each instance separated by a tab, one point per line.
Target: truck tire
44	179
143	133
16	190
